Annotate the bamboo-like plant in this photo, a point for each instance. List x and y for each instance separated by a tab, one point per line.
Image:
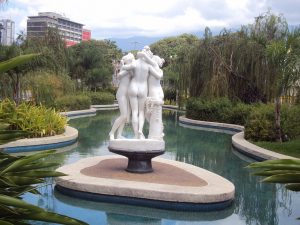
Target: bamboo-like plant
20	175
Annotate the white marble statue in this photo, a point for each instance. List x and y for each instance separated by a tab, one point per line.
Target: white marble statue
124	76
144	92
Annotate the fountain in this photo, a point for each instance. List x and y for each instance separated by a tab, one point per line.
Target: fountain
158	183
141	96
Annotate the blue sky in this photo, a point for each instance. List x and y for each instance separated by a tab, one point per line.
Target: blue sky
151	18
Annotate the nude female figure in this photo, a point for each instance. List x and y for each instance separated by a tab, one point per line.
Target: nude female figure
138	90
124	76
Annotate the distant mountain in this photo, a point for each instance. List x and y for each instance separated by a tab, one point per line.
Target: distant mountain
134	43
138	42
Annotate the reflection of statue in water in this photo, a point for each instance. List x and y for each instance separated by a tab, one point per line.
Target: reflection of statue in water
144	92
124	76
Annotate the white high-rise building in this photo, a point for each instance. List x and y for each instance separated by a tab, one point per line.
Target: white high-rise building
7	30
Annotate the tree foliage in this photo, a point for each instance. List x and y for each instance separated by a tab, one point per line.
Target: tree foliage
239	65
91	63
174	50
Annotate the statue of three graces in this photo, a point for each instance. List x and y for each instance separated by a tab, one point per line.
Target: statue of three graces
140	95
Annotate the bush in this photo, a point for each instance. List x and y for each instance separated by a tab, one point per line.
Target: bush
73	102
38	121
45	87
261	123
170	94
290	121
101	98
217	110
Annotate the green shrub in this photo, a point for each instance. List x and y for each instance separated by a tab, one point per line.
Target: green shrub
239	113
101	98
73	102
170	94
261	123
45	86
217	110
38	121
290	121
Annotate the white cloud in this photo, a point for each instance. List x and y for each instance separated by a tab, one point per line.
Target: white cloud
119	18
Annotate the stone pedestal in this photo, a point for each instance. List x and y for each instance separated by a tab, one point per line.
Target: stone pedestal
138	152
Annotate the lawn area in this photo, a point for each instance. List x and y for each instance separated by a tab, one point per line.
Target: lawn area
291	148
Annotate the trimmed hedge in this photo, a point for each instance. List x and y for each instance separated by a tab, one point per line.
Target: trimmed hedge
101	98
258	119
217	110
73	102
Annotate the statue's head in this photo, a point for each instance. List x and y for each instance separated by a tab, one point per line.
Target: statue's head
147	50
128	58
158	60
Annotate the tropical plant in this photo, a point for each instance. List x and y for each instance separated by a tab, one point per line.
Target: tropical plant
16	61
284	59
284	171
37	121
8	135
21	174
13	64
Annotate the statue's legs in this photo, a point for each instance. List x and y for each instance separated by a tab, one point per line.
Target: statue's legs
135	114
121	120
142	101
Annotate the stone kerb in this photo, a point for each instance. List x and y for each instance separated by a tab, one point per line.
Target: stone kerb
105	107
238	140
221	127
35	144
79	113
216	189
254	151
69	137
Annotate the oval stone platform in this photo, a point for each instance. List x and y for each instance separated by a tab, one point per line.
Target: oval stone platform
172	185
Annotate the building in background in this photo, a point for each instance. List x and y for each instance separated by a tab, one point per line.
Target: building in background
70	31
7	32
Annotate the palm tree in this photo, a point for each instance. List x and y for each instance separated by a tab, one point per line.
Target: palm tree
284	58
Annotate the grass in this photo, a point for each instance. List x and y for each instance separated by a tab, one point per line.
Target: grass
291	148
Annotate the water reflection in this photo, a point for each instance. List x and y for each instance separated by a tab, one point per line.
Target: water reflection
128	214
255	203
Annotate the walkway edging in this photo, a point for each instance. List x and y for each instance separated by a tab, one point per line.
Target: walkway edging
238	140
69	137
105	107
45	143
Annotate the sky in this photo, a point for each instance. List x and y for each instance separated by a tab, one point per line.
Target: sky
151	18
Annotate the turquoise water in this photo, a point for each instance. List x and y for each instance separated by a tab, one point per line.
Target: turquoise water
255	202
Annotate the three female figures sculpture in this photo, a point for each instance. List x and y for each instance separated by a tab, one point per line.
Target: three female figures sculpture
140	95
